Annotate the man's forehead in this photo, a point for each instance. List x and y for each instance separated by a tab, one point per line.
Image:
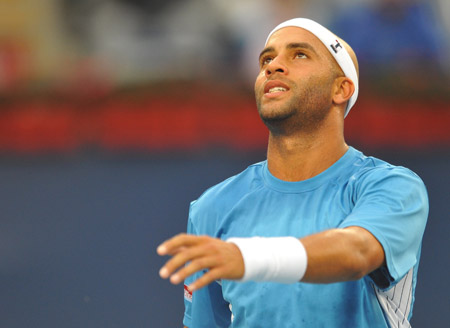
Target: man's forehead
293	34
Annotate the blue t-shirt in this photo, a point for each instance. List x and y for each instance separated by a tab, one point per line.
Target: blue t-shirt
389	201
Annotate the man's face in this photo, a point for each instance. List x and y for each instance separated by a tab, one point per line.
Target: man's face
293	87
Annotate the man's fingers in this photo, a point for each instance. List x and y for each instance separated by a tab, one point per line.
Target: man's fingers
207	278
221	259
170	246
193	267
180	259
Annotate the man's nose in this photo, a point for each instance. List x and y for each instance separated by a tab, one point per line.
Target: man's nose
276	66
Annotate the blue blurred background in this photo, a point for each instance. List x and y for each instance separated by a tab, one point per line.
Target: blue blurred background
115	114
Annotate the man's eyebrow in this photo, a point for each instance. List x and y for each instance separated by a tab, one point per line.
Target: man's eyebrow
301	45
266	50
293	45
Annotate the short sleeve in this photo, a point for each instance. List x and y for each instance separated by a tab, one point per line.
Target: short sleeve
205	308
392	204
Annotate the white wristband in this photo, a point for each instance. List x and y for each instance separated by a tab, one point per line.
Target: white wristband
275	259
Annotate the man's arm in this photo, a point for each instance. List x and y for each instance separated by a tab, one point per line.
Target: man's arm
333	255
341	255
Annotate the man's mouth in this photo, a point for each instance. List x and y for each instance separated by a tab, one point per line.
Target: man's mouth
277	89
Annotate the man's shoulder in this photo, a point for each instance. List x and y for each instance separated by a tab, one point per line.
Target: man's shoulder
375	167
233	188
370	170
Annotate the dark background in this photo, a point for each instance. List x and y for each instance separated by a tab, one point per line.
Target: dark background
78	236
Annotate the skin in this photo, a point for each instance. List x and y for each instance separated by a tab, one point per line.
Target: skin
306	125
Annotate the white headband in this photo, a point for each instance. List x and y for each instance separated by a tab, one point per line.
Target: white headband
333	45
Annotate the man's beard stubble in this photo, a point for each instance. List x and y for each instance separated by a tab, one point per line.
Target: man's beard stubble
304	112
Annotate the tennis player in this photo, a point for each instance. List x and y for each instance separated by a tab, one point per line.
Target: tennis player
318	235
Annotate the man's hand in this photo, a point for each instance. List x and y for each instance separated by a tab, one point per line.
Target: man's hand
223	260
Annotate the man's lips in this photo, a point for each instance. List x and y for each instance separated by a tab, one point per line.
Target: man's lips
275	87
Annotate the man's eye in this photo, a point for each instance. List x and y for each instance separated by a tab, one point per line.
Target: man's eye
300	55
266	60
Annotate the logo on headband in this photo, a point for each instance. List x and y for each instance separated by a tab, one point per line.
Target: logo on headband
336	46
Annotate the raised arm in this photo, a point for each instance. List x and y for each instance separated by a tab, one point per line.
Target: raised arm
333	255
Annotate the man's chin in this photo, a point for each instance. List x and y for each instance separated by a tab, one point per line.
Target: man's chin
276	122
275	115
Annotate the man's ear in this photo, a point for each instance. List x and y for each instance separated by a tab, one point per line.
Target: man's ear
344	89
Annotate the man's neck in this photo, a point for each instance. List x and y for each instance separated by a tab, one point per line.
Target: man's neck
297	158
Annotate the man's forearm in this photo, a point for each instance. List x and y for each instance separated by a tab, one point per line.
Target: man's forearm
333	255
341	255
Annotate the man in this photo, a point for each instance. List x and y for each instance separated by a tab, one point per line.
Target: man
357	221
